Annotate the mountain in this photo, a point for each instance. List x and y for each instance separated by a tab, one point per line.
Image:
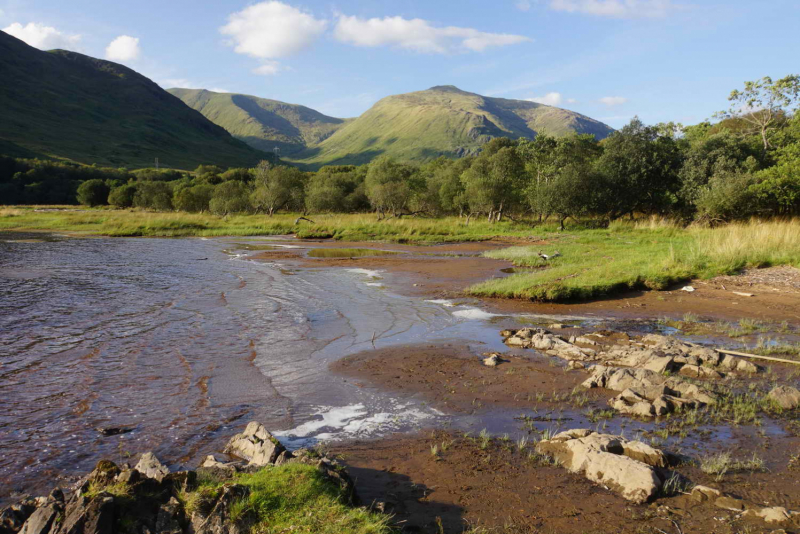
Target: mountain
262	123
72	106
442	120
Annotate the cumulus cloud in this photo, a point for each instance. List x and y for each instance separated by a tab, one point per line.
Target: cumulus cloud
272	30
43	37
612	101
418	35
615	8
123	48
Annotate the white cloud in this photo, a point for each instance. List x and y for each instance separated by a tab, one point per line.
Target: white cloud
43	37
523	5
615	8
418	35
268	68
550	99
271	30
612	101
123	48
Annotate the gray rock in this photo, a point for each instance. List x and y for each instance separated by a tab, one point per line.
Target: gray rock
151	467
214	516
170	517
255	444
786	397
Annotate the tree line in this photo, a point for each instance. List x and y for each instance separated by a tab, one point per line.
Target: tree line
747	164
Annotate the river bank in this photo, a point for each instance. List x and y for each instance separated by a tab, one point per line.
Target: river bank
336	348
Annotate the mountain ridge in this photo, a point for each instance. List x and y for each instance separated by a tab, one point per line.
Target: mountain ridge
72	106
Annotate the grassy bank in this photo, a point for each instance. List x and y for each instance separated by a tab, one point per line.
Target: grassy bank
350	227
641	256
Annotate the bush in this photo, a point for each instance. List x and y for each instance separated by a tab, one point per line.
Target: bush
122	196
727	197
93	193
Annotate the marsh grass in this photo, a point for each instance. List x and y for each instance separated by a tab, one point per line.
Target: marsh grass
599	262
720	464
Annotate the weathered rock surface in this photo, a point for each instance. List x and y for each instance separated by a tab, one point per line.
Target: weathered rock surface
647	393
786	397
655	352
151	467
626	467
255	444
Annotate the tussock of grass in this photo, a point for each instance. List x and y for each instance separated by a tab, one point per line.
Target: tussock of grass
298	498
594	263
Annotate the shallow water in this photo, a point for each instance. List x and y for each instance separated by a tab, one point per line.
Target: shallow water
182	341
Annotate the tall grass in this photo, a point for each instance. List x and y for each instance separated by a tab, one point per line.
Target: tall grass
652	255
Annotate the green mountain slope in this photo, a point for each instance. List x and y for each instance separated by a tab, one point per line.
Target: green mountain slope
443	120
72	106
262	123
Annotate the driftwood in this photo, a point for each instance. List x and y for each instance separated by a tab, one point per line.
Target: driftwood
767	358
297	221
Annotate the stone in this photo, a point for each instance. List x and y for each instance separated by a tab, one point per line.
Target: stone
151	467
644	453
492	361
772	515
704	493
697	371
256	445
88	516
214	515
169	518
43	519
574	365
602	458
13	517
786	397
729	503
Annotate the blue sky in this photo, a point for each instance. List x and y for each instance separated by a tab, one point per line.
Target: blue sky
610	59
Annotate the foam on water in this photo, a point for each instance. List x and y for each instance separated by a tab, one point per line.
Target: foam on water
366	272
442	302
375	284
474	314
353	421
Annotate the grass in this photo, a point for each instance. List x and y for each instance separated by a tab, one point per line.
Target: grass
298	498
594	263
722	463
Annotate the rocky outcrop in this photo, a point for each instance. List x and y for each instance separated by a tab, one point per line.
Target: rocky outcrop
256	445
148	499
647	393
786	397
626	467
653	352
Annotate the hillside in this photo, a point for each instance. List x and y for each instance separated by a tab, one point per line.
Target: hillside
72	106
260	122
443	120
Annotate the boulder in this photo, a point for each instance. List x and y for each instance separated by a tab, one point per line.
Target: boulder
13	517
729	503
170	518
44	518
605	459
771	515
151	467
704	493
88	516
256	445
786	397
492	361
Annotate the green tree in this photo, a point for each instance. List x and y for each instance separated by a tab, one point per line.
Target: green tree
93	193
195	198
229	197
763	103
276	187
387	185
154	195
122	196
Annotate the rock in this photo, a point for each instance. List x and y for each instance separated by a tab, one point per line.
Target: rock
151	467
113	430
644	453
13	517
704	493
772	515
492	361
556	326
602	459
575	365
43	519
697	371
129	477
169	518
213	516
255	445
88	516
786	397
729	503
104	473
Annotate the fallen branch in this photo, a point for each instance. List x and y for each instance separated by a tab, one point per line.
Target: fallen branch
297	221
768	358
